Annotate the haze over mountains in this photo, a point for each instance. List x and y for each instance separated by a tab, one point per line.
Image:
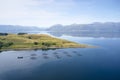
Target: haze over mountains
108	27
96	27
18	28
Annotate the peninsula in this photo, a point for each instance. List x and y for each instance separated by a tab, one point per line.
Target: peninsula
23	41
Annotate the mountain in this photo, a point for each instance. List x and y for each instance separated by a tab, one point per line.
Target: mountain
108	29
96	27
17	29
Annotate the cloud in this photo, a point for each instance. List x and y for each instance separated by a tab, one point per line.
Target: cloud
33	12
49	12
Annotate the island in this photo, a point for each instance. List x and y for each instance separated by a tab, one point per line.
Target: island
24	41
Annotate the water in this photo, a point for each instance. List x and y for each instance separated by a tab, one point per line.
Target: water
101	63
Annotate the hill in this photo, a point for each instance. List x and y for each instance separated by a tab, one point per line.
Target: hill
107	30
35	41
94	27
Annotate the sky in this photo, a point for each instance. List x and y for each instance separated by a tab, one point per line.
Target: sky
45	13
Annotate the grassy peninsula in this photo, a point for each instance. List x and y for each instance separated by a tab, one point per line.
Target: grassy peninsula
34	41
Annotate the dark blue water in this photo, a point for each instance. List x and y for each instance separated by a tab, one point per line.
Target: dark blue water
102	63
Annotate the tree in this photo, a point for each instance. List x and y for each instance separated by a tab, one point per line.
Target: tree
1	44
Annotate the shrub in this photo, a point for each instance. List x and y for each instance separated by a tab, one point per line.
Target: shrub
1	44
3	34
48	44
22	33
8	44
35	43
29	37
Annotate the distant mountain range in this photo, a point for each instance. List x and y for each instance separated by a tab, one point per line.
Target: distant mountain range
108	29
17	29
94	27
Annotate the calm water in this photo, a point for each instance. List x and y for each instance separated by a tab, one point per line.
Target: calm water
101	63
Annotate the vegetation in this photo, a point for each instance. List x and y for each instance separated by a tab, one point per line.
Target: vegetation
22	33
3	34
35	41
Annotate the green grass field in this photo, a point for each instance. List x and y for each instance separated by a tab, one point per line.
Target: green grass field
35	41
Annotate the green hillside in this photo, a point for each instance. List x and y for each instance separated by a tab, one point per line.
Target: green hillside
35	41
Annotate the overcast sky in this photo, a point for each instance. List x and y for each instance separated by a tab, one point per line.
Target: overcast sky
44	13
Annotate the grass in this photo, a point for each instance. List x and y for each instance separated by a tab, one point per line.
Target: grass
35	41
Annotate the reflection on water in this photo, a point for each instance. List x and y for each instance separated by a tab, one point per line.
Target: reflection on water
78	54
0	51
69	55
64	64
74	52
46	55
33	58
65	52
87	34
57	56
33	54
55	53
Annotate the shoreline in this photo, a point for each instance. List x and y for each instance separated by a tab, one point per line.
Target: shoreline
36	41
25	49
